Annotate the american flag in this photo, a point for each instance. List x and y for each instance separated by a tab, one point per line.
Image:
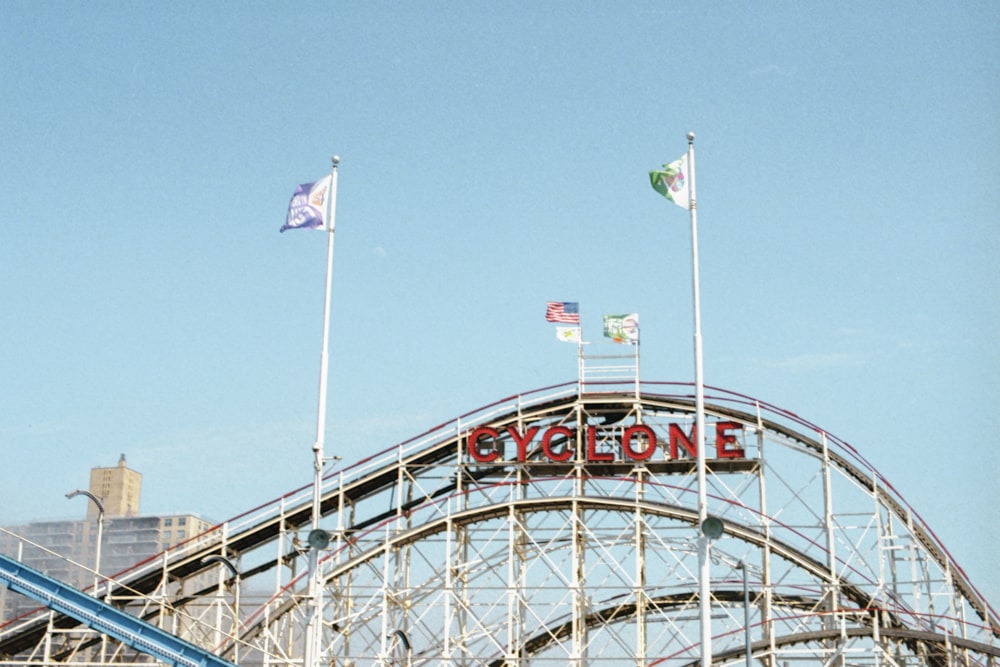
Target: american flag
562	311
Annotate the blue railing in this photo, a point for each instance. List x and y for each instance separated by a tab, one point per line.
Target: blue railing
133	632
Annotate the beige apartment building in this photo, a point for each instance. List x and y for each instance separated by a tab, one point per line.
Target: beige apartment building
67	550
119	489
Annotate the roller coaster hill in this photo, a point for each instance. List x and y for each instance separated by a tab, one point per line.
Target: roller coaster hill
555	527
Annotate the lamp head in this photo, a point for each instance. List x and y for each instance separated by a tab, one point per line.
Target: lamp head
318	538
712	528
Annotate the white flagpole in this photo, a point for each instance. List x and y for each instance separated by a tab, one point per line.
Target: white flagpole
638	339
704	572
314	621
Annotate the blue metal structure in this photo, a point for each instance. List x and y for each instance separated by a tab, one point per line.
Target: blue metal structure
133	632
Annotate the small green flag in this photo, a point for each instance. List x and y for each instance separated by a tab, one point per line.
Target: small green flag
673	182
622	328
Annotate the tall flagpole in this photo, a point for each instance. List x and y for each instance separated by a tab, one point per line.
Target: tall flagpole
704	573
315	616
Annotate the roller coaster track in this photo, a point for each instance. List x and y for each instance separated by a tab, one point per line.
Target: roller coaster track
426	492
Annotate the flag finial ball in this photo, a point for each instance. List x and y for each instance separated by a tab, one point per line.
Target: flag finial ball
690	136
336	160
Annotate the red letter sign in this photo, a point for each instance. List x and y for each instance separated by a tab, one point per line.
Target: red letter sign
594	456
724	439
551	455
647	434
522	441
677	436
489	455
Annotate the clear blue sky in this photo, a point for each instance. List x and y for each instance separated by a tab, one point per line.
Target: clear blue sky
494	156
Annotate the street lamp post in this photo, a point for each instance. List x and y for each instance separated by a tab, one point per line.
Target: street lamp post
746	613
712	529
100	531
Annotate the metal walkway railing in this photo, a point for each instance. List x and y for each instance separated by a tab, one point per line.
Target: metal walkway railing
94	613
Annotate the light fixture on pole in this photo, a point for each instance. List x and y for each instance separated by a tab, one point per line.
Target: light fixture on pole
712	528
216	558
318	539
100	531
401	641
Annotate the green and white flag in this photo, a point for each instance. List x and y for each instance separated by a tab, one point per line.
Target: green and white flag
673	182
622	328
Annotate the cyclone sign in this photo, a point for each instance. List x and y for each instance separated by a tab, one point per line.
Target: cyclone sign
561	444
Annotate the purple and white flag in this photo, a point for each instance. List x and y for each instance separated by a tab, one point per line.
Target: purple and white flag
307	210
